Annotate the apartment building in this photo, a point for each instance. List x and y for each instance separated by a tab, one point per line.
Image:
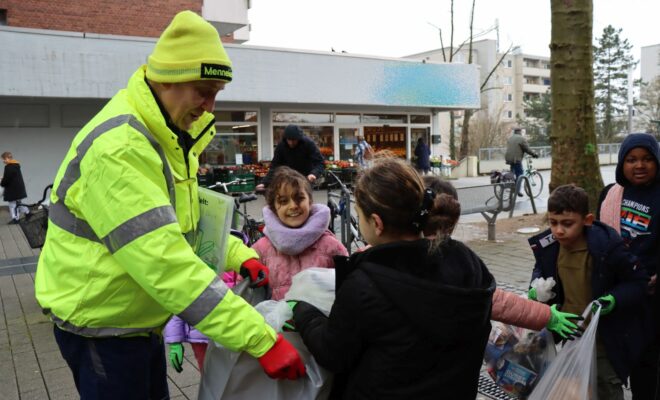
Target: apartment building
519	77
650	62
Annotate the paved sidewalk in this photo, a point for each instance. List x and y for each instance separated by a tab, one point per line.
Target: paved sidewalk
34	369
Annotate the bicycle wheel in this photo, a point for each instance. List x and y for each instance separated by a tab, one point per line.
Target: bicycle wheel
535	185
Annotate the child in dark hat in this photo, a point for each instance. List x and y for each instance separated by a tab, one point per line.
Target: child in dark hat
632	207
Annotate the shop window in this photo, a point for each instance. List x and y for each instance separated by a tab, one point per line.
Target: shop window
391	138
3	16
235	116
341	118
302	117
420	119
231	145
384	119
323	136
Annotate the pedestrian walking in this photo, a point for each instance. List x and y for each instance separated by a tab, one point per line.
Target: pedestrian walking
423	154
14	187
364	152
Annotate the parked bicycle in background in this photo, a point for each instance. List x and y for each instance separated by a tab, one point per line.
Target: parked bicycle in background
242	221
340	206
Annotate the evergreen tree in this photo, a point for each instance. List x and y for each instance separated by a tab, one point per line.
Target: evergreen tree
612	60
538	119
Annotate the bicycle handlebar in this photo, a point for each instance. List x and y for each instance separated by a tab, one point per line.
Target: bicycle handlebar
225	184
343	187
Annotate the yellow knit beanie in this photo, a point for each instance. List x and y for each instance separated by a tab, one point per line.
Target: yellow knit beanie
189	49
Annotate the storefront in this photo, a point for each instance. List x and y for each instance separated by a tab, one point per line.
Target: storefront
334	98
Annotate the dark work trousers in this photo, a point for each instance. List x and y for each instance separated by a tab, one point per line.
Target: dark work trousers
644	376
115	368
517	169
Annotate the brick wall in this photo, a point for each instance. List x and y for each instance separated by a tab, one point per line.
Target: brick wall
117	17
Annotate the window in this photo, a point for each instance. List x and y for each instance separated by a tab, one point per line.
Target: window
509	114
342	118
546	82
235	141
3	16
302	117
508	97
420	119
508	63
508	80
384	119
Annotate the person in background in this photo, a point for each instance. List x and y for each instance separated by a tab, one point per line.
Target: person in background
423	154
508	307
632	207
516	147
364	152
411	315
118	259
296	236
589	261
14	187
298	152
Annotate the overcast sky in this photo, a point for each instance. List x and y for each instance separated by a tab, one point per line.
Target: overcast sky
395	28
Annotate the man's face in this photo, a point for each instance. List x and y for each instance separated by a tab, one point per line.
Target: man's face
568	226
186	102
292	143
639	166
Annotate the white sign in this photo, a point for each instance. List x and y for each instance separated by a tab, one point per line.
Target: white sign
239	158
216	211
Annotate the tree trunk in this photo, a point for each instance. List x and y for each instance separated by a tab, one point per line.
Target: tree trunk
465	134
573	137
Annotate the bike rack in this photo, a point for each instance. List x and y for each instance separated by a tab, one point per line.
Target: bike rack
522	179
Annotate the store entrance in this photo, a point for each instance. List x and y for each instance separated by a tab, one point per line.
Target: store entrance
392	138
348	143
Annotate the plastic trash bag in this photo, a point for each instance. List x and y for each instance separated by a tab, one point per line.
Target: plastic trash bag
544	289
231	375
315	286
572	375
516	357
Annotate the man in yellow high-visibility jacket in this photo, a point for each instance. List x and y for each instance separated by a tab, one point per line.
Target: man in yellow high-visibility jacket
117	262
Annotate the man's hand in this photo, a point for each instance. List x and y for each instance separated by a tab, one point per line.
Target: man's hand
176	356
563	323
256	271
311	178
607	304
532	294
282	361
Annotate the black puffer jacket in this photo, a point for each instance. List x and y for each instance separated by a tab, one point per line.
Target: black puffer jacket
12	182
304	158
405	324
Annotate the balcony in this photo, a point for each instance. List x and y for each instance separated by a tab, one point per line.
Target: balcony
542	72
227	16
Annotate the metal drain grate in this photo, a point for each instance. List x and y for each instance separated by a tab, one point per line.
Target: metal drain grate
488	388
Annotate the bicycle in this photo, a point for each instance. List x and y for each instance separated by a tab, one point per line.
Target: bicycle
534	177
251	227
349	226
35	223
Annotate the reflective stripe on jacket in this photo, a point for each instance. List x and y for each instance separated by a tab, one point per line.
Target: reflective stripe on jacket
116	261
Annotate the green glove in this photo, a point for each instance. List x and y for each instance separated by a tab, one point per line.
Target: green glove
289	325
176	356
562	323
531	294
607	304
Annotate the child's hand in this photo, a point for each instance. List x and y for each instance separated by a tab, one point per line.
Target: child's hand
564	323
531	294
176	356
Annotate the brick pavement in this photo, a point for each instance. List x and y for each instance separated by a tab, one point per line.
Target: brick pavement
34	369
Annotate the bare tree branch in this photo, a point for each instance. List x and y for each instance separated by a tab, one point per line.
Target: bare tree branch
495	67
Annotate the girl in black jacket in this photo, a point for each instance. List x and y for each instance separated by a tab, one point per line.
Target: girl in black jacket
12	182
411	316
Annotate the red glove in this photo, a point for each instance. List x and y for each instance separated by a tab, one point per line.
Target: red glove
256	271
282	361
